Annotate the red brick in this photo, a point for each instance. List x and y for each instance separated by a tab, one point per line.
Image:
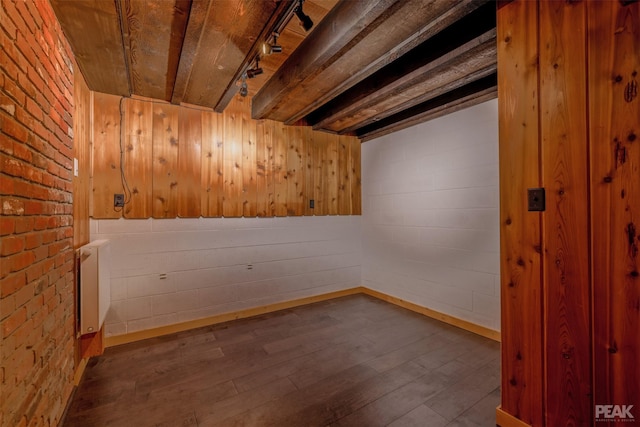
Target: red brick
35	14
25	365
7	306
12	206
14	321
35	78
12	245
15	92
7	225
6	146
34	109
7	185
32	240
11	284
10	28
24	224
13	129
24	45
33	207
26	15
46	13
24	294
30	190
22	152
41	223
41	253
19	261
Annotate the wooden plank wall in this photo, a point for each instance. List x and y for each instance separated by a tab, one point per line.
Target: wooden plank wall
188	162
569	119
564	144
520	230
614	130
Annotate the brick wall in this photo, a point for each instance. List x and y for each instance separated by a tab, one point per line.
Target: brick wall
36	264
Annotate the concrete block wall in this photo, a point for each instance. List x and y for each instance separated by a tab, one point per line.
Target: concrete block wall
431	215
170	271
36	226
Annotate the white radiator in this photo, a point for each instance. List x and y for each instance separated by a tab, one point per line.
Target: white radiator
95	285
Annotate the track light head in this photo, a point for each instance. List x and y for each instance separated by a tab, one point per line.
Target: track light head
305	21
244	90
252	72
255	71
268	48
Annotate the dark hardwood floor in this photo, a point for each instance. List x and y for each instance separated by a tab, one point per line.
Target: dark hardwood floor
352	361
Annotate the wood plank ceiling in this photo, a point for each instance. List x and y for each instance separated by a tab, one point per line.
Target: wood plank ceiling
366	68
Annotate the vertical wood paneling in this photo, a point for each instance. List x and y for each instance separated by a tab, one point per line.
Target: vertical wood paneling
106	155
264	171
232	170
356	180
82	152
212	186
614	114
249	163
138	157
165	160
189	162
309	170
563	133
295	171
319	175
281	187
344	175
520	266
331	173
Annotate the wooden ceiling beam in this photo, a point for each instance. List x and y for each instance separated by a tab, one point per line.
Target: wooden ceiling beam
94	33
440	90
152	34
469	43
282	13
466	96
190	44
330	40
230	30
329	61
471	61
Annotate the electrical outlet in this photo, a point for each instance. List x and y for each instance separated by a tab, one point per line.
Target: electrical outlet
118	200
536	199
311	203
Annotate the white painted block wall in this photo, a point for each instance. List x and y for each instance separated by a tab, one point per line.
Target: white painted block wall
170	271
430	231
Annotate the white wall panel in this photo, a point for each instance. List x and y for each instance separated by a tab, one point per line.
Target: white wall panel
168	271
430	215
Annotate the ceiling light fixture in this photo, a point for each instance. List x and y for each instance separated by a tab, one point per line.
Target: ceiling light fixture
255	71
305	21
268	48
244	90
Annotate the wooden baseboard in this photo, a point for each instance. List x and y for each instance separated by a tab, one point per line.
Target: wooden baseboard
77	376
256	311
451	320
225	317
504	419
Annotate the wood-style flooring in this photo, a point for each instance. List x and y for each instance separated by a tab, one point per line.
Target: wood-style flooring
352	361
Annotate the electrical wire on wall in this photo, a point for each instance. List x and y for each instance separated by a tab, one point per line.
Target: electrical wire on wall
123	178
